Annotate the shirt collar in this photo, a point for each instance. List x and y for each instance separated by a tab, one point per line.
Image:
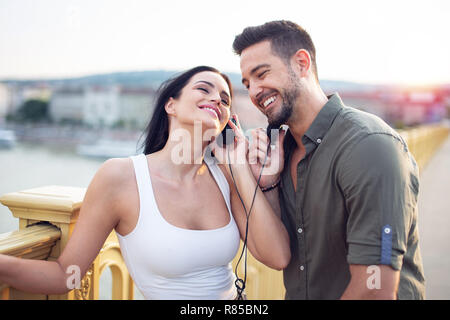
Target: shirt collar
321	124
324	119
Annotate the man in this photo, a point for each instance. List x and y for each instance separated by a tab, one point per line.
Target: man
347	187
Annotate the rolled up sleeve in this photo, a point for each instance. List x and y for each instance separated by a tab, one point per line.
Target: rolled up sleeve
379	180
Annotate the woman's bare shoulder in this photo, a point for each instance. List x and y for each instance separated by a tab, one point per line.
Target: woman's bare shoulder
114	185
114	175
117	168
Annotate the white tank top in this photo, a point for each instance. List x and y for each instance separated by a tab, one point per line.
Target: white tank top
168	262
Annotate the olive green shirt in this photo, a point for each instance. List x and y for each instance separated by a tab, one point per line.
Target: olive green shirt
356	203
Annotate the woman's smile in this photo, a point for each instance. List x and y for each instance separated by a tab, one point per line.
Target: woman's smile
212	110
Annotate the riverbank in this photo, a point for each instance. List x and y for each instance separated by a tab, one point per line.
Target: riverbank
69	135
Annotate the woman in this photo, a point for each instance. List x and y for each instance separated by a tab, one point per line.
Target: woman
178	222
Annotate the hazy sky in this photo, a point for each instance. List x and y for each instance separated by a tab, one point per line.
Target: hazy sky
381	41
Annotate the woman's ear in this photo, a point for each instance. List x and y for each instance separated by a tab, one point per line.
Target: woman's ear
170	107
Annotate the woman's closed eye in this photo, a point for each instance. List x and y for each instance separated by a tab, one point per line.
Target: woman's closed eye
224	101
203	89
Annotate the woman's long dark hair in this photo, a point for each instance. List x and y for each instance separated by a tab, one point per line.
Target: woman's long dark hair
157	131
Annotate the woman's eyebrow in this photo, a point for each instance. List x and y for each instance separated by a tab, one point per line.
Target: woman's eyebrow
207	82
212	86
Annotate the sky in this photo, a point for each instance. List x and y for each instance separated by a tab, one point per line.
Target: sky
391	42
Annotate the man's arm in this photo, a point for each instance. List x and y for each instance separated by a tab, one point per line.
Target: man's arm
375	282
376	179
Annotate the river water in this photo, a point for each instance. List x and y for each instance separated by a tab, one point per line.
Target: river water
31	165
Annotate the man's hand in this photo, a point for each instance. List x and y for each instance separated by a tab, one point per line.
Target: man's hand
275	158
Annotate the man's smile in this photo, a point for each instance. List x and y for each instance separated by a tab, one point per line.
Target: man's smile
269	101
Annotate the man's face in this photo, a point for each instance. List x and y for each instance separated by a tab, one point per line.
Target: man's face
272	85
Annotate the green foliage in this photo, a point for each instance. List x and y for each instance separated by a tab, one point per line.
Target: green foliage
34	111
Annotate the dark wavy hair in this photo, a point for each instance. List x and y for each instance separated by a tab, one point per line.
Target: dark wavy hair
286	37
157	130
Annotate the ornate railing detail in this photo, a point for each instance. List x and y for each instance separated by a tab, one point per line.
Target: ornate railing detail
85	286
56	209
33	242
110	256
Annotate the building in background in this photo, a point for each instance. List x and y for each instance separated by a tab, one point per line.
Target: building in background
136	106
126	106
66	105
103	106
116	106
401	107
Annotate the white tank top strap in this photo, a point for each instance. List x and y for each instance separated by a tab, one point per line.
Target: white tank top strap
220	179
143	180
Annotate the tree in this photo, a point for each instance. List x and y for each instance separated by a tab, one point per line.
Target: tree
34	111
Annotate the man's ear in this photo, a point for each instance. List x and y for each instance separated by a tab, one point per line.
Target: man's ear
302	62
170	107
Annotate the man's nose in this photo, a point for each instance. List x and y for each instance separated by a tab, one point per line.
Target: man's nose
255	93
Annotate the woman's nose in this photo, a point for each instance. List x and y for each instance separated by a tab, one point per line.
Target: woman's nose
215	97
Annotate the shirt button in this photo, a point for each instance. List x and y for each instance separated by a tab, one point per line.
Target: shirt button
300	230
319	140
302	268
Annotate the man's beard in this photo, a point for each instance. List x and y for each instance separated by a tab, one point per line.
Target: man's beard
289	97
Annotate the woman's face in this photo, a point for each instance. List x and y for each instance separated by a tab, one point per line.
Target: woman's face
205	98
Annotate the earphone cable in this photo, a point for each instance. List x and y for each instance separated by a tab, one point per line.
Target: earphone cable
240	283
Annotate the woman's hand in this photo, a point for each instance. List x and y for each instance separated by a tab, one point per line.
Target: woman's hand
234	153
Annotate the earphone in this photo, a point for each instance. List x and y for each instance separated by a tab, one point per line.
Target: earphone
240	283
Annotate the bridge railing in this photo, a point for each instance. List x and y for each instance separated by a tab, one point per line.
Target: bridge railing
423	141
47	216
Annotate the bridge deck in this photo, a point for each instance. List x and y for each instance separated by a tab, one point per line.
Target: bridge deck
434	223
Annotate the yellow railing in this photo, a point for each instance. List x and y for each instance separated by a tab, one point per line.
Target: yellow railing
33	242
423	141
58	207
